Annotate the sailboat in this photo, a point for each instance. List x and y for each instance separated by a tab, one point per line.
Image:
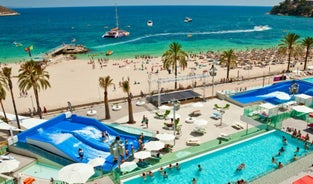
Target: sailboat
115	32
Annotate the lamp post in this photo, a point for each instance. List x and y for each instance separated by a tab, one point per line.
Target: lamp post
212	74
176	107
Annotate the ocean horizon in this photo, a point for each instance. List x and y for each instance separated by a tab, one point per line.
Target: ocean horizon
212	28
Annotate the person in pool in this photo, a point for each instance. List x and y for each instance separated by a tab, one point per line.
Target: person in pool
241	166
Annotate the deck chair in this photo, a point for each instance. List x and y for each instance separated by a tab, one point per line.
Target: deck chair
199	130
167	112
215	115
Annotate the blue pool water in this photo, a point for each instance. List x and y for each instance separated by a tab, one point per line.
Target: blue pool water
308	80
270	93
41	170
220	166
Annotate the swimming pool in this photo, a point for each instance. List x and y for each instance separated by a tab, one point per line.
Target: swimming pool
308	79
273	93
220	166
41	170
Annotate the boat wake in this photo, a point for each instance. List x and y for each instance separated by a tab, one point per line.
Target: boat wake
255	29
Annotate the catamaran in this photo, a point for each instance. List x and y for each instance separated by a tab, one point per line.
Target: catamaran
115	32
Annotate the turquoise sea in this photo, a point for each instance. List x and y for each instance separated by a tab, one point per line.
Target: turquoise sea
212	28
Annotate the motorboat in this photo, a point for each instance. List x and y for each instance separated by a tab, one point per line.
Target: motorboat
187	19
109	52
261	28
189	35
150	23
115	32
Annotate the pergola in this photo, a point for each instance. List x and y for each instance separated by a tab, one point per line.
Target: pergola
160	81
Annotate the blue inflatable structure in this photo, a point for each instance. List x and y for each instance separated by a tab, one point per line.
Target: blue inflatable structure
65	134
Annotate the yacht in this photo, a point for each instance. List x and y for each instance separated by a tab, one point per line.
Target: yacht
149	23
115	32
187	19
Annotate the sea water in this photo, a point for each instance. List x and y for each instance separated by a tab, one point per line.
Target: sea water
212	28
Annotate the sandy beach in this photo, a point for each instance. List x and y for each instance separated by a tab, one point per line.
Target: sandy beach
76	81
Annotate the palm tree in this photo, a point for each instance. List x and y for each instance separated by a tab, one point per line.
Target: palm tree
126	89
2	97
33	75
288	45
173	55
228	58
307	43
6	75
105	83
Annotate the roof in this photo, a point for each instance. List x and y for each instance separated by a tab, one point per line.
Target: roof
307	179
178	95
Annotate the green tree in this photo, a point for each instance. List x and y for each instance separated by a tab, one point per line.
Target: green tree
126	89
228	58
175	56
105	82
6	75
288	46
307	43
2	97
33	75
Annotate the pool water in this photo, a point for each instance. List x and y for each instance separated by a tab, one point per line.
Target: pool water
41	170
308	80
220	166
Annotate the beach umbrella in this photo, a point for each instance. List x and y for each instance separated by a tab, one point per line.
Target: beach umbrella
76	173
128	166
165	137
154	145
142	154
8	165
171	116
200	122
99	161
164	107
197	104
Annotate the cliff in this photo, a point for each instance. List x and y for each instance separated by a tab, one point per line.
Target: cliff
294	8
7	12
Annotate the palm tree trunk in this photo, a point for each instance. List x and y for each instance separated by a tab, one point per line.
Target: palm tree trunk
227	74
37	103
130	111
4	114
175	74
306	58
289	60
14	106
106	105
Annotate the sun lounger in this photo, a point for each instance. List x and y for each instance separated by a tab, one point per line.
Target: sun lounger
193	142
195	113
199	130
215	115
238	125
224	136
235	126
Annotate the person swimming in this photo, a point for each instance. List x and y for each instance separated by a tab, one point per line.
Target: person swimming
241	166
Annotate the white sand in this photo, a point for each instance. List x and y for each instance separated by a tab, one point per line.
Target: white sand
76	81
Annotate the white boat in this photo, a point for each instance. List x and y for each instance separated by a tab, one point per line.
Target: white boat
187	19
262	28
150	23
115	32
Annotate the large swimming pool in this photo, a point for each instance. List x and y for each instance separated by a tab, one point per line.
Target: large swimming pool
219	166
